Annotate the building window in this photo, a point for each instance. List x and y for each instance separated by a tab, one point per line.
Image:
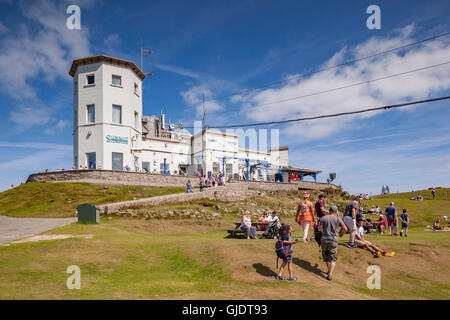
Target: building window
117	114
136	89
136	120
116	80
146	166
91	160
91	113
164	168
90	79
117	161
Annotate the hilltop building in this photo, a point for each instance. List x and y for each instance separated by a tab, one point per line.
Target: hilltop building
111	132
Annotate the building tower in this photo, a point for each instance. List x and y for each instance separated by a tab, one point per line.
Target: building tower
107	111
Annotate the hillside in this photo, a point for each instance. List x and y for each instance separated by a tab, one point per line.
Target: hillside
173	256
54	200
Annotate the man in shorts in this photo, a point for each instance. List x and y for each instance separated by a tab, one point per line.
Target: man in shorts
350	221
391	215
362	243
329	225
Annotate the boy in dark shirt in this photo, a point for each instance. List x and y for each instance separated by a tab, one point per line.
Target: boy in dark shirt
405	223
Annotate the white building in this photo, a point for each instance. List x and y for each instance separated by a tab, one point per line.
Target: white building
111	133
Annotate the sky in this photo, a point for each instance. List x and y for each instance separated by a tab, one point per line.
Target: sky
226	49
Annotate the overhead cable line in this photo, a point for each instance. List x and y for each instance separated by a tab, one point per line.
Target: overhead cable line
387	107
336	89
270	84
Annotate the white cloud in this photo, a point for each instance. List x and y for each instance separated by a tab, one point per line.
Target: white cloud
194	99
412	86
42	50
178	70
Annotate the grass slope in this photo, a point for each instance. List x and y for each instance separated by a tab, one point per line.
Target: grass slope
46	199
130	258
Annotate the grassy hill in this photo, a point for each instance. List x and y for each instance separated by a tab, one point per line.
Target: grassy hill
421	212
51	200
134	258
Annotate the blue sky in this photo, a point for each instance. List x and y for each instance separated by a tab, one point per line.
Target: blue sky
224	47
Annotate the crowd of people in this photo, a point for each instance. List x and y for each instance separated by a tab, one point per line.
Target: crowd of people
328	227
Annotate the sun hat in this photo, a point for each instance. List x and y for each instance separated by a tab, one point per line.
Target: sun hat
306	194
285	224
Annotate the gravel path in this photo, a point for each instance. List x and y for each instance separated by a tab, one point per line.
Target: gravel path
15	228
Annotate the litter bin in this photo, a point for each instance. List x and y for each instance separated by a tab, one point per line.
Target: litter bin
88	212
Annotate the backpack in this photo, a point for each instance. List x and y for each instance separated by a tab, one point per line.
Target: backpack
303	208
282	250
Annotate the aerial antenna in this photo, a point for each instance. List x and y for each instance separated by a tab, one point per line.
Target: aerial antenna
147	52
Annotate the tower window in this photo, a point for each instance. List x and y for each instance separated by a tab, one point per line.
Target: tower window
136	89
116	80
90	79
91	113
117	114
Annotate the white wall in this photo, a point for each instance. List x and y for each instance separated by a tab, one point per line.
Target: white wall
103	95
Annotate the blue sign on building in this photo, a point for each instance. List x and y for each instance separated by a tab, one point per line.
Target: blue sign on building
115	139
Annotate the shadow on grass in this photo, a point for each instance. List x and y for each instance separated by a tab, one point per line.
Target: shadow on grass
264	270
308	267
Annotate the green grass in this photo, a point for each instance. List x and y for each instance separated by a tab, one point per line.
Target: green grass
421	212
129	258
46	199
133	258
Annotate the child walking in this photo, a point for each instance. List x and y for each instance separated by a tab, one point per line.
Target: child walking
285	236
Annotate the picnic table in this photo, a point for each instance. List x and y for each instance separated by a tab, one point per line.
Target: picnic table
238	231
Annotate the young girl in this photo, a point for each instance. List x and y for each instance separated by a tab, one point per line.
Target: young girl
285	235
305	215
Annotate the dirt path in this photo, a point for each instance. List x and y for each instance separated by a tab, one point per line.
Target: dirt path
15	228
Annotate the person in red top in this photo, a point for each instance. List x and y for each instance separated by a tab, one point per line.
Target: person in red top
305	215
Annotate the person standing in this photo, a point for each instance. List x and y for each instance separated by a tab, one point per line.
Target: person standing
391	215
305	215
328	225
405	223
350	221
189	187
320	206
285	237
433	193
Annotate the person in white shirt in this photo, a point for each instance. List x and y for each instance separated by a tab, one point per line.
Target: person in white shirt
364	244
273	217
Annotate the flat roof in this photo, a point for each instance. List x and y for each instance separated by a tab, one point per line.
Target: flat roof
104	58
294	169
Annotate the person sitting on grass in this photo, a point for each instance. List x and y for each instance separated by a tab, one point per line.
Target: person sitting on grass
381	223
364	244
246	225
285	233
405	222
437	226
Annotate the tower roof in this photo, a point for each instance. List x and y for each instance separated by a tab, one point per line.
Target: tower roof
104	58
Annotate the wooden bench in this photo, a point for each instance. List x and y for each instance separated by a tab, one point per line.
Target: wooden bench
238	231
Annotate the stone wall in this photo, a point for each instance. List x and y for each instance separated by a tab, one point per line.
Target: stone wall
109	177
224	193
